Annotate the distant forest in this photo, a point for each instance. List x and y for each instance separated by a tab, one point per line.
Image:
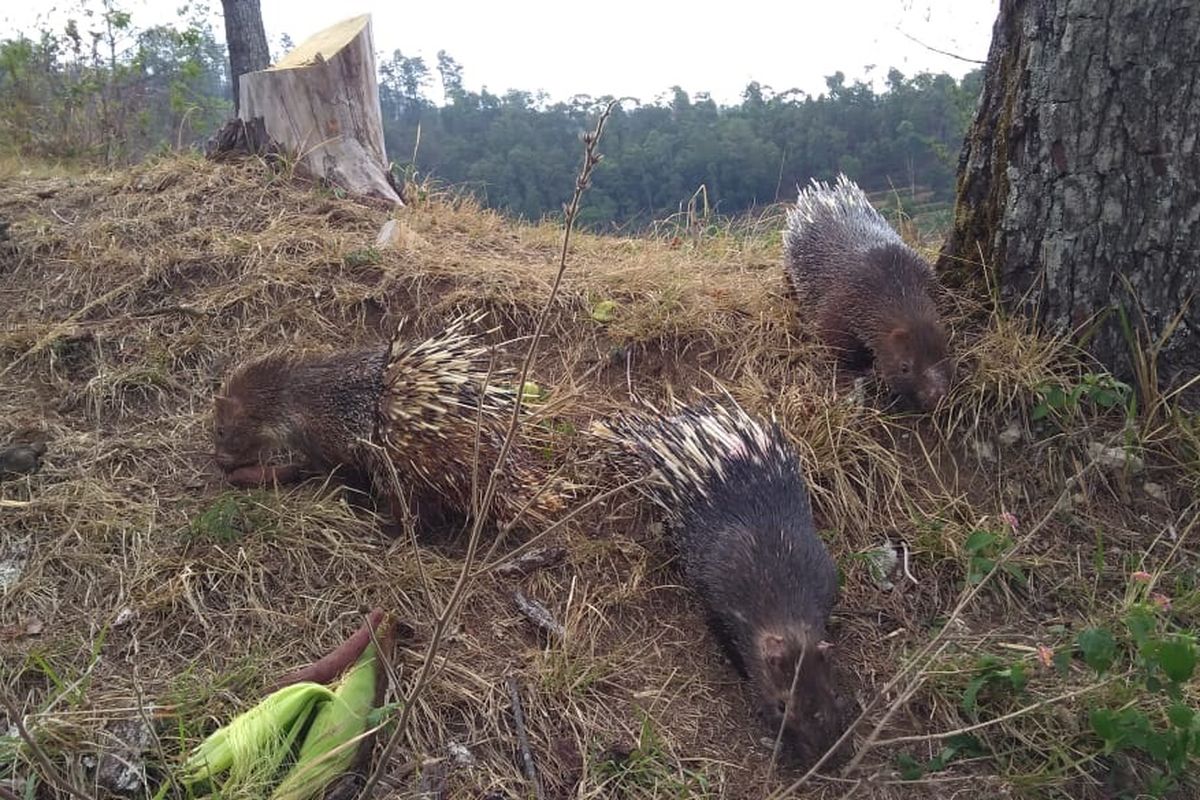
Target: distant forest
102	90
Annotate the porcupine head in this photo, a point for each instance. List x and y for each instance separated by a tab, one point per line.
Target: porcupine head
819	711
911	356
247	413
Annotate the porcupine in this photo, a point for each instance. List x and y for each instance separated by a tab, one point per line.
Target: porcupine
408	406
868	293
739	516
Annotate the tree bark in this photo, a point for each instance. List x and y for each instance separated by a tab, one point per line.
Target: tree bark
321	103
247	41
1081	171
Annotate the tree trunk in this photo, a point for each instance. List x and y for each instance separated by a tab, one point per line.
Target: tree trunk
1082	170
246	39
321	102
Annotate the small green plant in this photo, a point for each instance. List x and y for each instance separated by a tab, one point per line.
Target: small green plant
963	745
571	674
15	767
984	548
10	749
229	517
1167	728
555	429
1101	391
931	534
406	175
67	683
533	393
363	257
1098	647
993	672
650	769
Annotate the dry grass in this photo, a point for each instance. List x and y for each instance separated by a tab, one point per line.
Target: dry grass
125	298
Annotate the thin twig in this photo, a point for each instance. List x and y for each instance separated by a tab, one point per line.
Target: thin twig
853	790
396	636
532	561
408	522
171	309
538	614
151	728
531	774
1020	712
48	771
938	51
507	528
786	710
590	159
476	503
558	523
907	572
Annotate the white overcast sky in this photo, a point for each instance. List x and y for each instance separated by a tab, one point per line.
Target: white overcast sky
625	48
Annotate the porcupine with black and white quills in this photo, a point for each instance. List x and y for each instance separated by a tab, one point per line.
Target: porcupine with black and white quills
739	516
408	406
868	293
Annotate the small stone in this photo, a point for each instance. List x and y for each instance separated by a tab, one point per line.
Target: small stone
388	234
1116	458
1011	434
12	562
121	767
395	235
858	394
983	450
460	755
883	561
30	627
124	617
1155	490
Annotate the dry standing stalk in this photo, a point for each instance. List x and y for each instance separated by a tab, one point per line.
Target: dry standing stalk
590	159
50	774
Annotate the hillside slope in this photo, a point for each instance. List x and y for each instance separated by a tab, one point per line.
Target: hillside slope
129	572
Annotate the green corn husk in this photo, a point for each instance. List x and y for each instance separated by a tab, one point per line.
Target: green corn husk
253	744
332	741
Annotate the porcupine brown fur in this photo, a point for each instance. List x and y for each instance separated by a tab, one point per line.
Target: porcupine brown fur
413	405
739	516
867	292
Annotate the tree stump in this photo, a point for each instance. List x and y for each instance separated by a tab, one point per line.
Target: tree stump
1079	181
321	103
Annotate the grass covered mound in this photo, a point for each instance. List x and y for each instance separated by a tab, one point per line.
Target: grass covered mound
137	588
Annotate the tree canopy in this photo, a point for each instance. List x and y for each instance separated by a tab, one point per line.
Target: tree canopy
518	150
103	90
